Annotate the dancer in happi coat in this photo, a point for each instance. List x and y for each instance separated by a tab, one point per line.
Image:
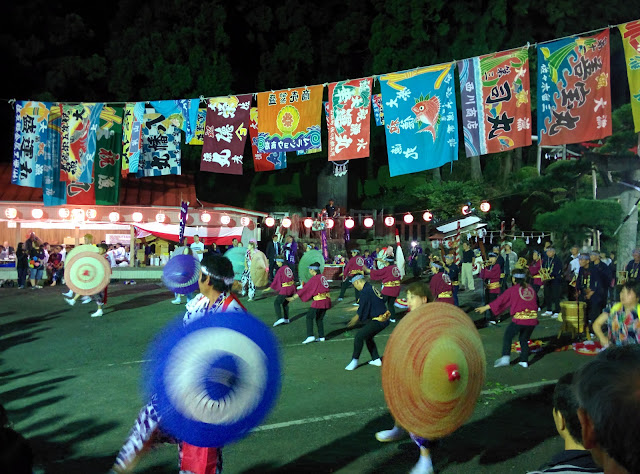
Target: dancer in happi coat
390	277
355	266
285	287
318	289
491	273
216	278
440	284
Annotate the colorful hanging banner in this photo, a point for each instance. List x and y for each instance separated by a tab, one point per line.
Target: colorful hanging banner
378	112
198	137
228	119
131	137
289	119
54	191
631	40
83	122
160	153
496	106
30	138
325	107
108	166
421	125
182	112
574	94
184	214
81	194
350	109
264	161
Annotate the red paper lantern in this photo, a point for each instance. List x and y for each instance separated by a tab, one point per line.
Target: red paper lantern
368	222
245	221
205	217
225	219
269	222
137	216
64	212
427	216
389	221
114	216
349	223
286	222
408	218
37	213
308	222
485	206
330	223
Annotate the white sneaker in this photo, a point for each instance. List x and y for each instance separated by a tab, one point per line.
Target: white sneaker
281	321
523	364
502	361
299	287
97	314
176	301
392	320
555	315
539	309
377	362
394	434
70	301
68	294
547	313
424	466
309	339
86	299
352	365
340	299
355	304
320	339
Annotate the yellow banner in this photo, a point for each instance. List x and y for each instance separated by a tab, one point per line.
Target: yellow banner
631	39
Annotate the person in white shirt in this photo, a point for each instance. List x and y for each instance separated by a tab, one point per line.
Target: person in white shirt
197	247
574	263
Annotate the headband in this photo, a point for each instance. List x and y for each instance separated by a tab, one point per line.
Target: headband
390	259
448	257
315	267
434	264
279	259
583	256
549	249
519	275
492	254
357	277
355	250
226	280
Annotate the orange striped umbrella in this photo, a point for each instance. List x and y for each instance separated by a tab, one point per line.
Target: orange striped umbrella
433	370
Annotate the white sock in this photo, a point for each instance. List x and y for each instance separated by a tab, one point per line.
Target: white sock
423	466
352	365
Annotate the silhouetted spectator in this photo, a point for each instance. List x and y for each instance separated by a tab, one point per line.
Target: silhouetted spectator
16	456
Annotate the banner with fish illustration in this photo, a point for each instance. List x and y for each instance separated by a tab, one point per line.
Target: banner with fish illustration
132	137
198	137
182	112
80	127
264	161
289	119
54	191
421	125
378	112
30	139
325	107
225	134
107	166
496	106
631	40
350	110
574	94
160	146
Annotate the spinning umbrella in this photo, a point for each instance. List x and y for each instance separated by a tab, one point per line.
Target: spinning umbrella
181	274
236	256
87	272
309	257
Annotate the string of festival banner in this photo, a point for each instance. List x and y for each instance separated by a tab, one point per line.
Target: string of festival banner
77	152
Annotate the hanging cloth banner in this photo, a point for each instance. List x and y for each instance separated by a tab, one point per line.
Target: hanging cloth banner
325	107
574	94
289	119
378	113
631	40
132	137
54	191
184	214
225	134
198	137
350	109
264	161
496	106
81	194
84	120
421	125
160	146
183	113
30	138
108	166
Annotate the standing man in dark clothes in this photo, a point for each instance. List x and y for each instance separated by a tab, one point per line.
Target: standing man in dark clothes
500	263
468	256
273	250
633	267
331	209
552	287
590	289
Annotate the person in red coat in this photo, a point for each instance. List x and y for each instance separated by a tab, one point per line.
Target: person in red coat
352	268
318	289
284	285
390	276
490	273
522	302
440	284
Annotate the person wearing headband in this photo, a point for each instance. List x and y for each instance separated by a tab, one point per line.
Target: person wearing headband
354	267
452	271
285	287
216	278
522	302
440	283
390	277
318	289
491	276
499	262
534	271
374	316
590	288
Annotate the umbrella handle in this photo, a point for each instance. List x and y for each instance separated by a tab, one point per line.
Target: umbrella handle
453	372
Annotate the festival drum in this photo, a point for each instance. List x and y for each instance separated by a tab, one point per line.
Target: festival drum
573	314
259	269
433	370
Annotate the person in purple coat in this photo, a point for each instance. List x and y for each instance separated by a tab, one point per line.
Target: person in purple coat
318	289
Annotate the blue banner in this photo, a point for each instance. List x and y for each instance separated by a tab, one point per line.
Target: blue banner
54	190
420	119
31	126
